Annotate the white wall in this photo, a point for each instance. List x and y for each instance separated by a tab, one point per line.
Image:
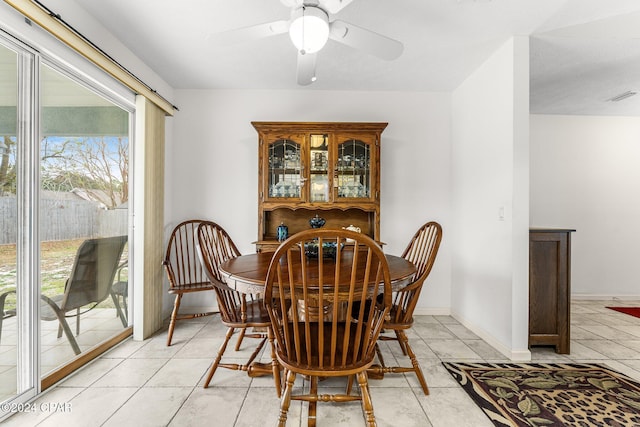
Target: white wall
585	174
212	162
489	168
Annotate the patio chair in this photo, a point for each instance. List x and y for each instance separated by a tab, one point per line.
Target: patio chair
421	251
90	283
305	304
120	292
6	313
237	310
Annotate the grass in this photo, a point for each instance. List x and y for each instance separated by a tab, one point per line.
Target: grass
56	260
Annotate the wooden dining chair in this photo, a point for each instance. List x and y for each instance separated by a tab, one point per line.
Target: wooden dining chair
184	270
307	306
421	251
237	310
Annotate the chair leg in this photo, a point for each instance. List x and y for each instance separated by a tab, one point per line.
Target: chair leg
62	323
274	362
403	347
3	298
174	316
414	361
240	338
119	311
77	321
313	404
124	304
379	354
367	404
68	333
285	401
376	372
221	351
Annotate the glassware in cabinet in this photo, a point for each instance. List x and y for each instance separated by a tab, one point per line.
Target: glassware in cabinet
319	168
284	169
355	167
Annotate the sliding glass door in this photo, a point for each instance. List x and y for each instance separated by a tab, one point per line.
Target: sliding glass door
84	170
9	309
18	245
64	219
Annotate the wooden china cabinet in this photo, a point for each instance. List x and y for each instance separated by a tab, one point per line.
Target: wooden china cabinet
327	169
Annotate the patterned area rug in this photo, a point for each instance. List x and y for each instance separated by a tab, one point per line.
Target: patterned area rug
544	394
632	311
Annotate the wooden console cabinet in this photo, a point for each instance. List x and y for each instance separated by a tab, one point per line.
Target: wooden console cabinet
329	169
550	287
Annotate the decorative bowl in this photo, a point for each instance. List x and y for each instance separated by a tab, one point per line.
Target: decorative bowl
329	249
317	222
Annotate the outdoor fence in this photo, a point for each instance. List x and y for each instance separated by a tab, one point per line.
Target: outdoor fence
65	219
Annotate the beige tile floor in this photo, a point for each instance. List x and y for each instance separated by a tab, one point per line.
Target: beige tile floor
95	326
148	384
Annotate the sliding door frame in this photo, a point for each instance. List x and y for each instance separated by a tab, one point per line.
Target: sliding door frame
81	79
28	137
27	201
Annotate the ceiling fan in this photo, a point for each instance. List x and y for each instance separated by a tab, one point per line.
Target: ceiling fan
309	29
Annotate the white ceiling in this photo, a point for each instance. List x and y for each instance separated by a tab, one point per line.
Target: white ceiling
583	52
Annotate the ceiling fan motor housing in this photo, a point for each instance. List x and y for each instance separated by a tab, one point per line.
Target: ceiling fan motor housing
309	29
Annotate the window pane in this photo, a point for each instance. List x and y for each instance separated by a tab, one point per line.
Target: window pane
8	222
84	172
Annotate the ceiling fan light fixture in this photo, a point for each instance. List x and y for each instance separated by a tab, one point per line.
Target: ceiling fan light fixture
309	30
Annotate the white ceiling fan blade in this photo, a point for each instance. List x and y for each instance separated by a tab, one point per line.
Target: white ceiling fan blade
306	68
335	6
297	3
291	3
360	38
251	33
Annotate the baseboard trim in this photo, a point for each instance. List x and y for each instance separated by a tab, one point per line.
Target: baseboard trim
522	355
83	358
515	355
432	311
595	297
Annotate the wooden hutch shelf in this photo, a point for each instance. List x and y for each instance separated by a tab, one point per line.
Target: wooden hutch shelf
329	169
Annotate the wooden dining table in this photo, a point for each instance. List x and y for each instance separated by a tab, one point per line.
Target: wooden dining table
247	273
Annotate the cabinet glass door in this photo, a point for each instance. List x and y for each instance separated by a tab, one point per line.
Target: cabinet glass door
284	169
354	169
319	168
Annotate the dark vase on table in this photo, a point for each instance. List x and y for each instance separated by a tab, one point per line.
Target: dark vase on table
283	232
